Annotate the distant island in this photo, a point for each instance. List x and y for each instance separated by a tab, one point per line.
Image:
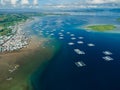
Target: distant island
101	28
118	19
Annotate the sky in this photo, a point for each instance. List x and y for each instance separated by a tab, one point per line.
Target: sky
55	3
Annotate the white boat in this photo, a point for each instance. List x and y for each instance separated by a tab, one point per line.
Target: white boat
47	33
61	37
73	38
72	35
78	51
68	32
80	42
52	34
62	30
107	58
60	33
80	64
107	53
91	45
80	37
54	30
70	43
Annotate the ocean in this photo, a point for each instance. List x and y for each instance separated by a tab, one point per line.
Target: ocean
62	72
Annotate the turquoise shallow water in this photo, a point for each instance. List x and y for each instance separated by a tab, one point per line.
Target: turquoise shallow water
62	73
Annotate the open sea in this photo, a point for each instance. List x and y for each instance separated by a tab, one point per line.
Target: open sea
62	73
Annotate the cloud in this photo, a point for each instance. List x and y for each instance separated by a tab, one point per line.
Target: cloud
35	2
103	1
98	1
55	3
24	2
2	2
13	2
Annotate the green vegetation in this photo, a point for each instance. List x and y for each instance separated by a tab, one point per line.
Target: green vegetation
118	19
5	31
10	19
7	20
101	28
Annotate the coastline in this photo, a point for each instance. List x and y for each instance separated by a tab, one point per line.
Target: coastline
17	67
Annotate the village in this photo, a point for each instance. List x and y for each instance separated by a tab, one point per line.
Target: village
16	40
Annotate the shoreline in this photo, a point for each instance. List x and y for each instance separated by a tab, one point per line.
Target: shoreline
19	38
17	67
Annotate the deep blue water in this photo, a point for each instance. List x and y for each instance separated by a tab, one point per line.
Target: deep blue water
62	73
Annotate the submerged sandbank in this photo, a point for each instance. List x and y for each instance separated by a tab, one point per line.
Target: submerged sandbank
28	60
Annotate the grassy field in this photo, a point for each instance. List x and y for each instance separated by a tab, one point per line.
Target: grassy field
101	28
